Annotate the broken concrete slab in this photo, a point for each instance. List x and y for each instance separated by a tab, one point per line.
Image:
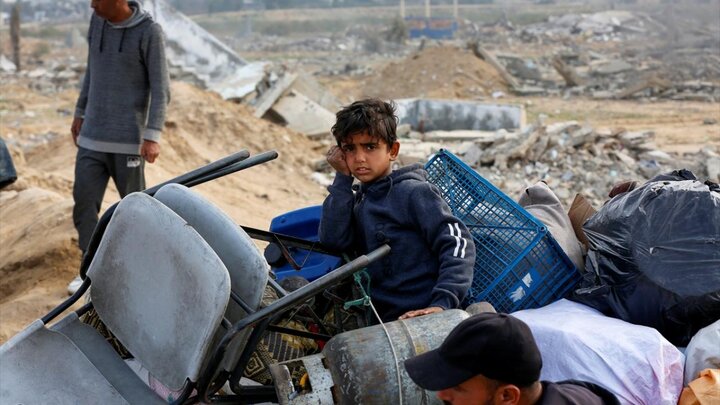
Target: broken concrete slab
460	135
427	115
312	89
634	139
481	53
658	156
198	53
304	115
268	98
611	67
567	72
652	82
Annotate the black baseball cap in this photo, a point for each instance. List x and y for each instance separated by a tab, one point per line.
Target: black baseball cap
498	346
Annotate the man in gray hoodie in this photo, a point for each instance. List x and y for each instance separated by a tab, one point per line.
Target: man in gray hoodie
120	112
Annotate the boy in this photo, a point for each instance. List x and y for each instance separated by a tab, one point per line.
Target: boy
430	266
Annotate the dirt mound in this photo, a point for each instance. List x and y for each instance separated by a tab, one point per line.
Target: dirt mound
39	254
438	72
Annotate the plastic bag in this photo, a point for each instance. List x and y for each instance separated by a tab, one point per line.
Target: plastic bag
633	362
654	256
703	352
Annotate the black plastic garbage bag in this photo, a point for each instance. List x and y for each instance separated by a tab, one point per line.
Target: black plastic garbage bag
7	169
654	256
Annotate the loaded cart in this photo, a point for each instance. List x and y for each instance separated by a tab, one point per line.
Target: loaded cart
179	286
174	284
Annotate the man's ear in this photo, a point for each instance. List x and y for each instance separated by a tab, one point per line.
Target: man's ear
507	394
394	150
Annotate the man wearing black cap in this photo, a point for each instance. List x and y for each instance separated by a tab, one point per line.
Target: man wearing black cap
493	359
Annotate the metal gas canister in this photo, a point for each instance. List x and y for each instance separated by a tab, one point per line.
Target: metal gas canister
361	367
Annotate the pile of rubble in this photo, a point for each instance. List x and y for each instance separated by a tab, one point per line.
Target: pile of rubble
574	158
604	26
612	54
50	78
570	157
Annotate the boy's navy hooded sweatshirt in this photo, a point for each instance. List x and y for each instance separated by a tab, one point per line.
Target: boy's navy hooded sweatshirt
126	86
432	253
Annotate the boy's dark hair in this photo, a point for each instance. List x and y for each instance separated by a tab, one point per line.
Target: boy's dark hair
372	115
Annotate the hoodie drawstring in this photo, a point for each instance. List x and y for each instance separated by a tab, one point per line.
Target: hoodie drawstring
102	34
122	38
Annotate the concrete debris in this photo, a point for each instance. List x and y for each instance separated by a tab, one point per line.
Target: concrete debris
266	100
196	52
481	53
600	27
460	135
6	65
425	115
304	115
572	158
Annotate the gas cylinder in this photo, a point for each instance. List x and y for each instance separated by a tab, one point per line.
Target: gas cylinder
363	367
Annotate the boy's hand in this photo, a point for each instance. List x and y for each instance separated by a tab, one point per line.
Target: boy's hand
420	312
336	158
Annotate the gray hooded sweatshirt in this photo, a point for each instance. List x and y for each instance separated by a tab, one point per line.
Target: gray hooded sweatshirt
126	86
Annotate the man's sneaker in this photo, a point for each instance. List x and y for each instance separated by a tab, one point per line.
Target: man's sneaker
74	285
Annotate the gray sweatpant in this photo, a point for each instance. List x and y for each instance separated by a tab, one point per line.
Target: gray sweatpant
92	172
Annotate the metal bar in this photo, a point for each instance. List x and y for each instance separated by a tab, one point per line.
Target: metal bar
277	287
300	333
249	162
286	253
290	241
298	296
202	171
100	228
253	341
183	179
241	302
67	303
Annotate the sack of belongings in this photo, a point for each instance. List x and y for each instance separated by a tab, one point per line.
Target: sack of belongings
634	362
654	256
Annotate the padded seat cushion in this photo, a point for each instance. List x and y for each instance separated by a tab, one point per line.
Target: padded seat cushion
159	287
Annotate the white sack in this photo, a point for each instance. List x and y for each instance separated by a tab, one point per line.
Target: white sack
634	362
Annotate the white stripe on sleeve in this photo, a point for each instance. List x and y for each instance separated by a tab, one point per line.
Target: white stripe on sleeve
457	240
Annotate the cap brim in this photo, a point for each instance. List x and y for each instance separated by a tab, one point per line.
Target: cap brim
431	372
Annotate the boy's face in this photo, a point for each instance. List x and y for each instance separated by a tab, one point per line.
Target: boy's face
368	158
106	9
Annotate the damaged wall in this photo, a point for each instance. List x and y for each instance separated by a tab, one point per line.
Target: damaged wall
431	115
198	53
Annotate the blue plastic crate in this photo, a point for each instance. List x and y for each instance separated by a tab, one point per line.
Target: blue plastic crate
303	223
518	264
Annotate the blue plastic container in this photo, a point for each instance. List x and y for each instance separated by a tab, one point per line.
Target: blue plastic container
518	264
303	223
